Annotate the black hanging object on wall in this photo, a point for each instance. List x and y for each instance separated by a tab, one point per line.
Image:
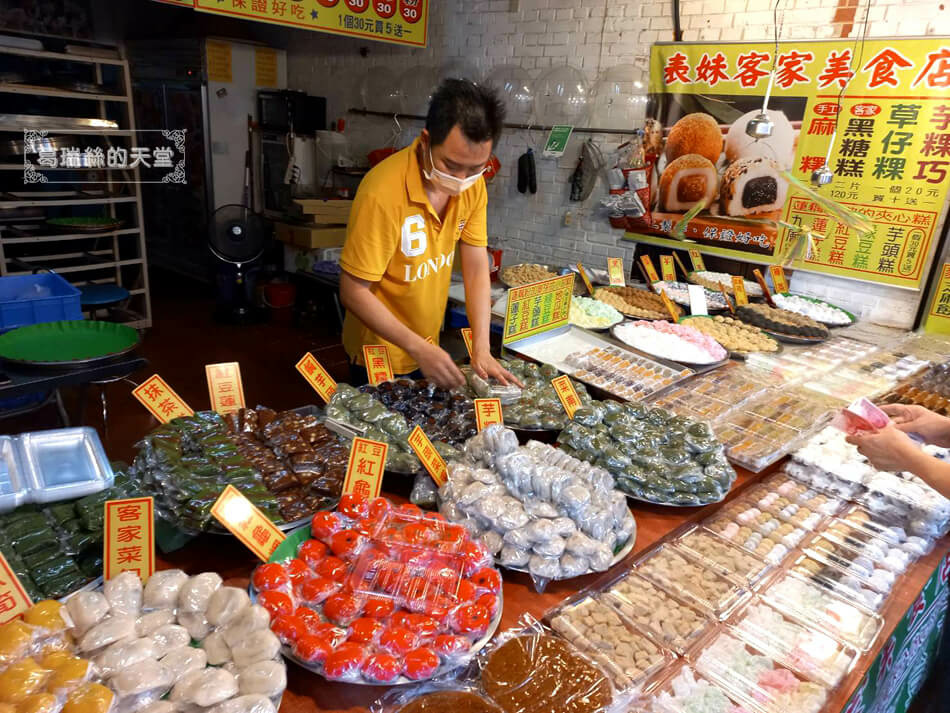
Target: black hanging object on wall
527	173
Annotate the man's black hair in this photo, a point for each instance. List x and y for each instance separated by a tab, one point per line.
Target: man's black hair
476	109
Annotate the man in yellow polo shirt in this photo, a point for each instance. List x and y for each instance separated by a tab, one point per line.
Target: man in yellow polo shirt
410	212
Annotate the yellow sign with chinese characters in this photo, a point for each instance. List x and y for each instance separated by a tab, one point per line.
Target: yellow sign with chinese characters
12	594
129	538
779	282
403	22
225	387
615	274
365	468
670	307
265	67
431	459
467	338
667	268
487	412
697	259
317	376
583	273
738	289
890	154
219	61
938	316
233	510
567	394
161	400
378	366
538	307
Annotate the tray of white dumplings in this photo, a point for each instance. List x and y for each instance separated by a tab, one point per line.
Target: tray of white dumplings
178	642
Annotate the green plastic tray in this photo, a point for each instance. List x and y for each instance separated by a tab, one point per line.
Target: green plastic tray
68	342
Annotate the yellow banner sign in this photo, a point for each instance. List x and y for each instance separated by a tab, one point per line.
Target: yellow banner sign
738	289
403	22
467	338
225	387
378	366
247	523
567	394
431	459
670	307
365	468
538	307
648	267
14	601
778	279
317	376
265	67
161	400
667	268
890	151
219	61
615	274
487	412
696	258
129	538
938	316
583	273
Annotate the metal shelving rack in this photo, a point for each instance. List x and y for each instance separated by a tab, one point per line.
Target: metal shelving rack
118	256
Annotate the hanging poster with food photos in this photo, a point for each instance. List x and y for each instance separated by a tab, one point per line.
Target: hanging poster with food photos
884	105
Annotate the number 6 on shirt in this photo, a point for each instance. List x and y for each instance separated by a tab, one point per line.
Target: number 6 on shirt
414	238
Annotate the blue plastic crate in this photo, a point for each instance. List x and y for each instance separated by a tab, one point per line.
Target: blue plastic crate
31	299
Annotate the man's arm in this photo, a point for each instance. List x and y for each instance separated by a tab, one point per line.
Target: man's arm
435	363
933	471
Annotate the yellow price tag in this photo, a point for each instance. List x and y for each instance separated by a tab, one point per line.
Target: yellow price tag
567	394
667	268
225	387
487	412
161	400
725	296
365	468
538	307
317	376
129	537
467	338
650	270
670	307
697	259
233	510
583	273
778	279
14	597
738	289
431	459
615	274
378	366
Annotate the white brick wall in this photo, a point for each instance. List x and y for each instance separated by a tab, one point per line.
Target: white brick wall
591	35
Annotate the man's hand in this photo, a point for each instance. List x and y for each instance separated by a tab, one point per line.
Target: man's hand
486	366
932	427
888	449
438	366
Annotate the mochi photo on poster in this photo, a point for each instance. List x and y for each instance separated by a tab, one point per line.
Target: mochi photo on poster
706	155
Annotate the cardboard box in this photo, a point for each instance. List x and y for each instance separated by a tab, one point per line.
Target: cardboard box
328	212
310	237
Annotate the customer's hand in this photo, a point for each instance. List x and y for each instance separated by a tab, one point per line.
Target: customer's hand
887	449
438	366
486	366
931	426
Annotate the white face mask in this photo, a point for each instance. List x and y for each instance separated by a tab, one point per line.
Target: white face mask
446	181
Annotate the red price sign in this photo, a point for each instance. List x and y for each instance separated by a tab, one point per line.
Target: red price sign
410	10
357	6
327	3
385	8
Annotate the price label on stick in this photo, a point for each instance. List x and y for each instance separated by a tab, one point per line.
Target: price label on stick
431	459
378	366
583	273
129	537
365	468
670	307
697	259
738	289
725	296
567	394
778	279
12	594
765	288
487	412
615	275
233	510
317	376
467	338
161	400
225	387
650	270
667	268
